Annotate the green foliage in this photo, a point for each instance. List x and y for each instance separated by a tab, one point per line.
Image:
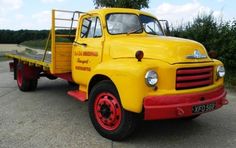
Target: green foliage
228	52
39	44
135	4
16	37
230	78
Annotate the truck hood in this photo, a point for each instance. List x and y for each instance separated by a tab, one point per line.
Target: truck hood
168	49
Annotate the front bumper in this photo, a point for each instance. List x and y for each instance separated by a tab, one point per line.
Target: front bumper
179	106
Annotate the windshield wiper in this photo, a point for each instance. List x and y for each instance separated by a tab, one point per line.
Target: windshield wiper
134	31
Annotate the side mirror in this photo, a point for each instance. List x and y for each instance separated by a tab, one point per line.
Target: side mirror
165	27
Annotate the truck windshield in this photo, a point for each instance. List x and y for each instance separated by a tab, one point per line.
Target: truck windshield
151	25
123	24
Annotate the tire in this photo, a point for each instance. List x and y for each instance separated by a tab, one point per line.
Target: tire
33	84
25	84
107	114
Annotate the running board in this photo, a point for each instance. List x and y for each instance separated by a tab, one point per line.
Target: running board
78	95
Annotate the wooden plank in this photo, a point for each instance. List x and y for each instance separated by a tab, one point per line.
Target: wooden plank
65	64
63	57
63	43
59	71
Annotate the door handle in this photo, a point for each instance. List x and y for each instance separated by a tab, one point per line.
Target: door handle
81	44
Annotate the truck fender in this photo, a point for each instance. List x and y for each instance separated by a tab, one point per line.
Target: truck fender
130	84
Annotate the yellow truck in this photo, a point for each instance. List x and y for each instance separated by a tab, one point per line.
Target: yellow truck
126	68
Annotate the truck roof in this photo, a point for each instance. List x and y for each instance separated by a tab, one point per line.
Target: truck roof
105	11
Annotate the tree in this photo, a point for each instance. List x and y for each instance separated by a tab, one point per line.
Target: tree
135	4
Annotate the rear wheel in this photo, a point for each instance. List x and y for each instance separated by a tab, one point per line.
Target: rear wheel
24	82
107	114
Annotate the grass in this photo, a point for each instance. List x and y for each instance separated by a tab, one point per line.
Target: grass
40	44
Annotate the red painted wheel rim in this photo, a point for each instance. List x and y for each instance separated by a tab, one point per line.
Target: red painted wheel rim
107	111
19	77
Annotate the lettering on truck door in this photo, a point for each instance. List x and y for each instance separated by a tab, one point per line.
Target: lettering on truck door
87	48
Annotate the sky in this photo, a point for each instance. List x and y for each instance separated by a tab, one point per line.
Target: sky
35	14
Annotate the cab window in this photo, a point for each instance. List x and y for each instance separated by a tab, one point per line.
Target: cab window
91	28
123	23
151	25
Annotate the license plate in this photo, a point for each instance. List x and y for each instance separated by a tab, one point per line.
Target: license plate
203	108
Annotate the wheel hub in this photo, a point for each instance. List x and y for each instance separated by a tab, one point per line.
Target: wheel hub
107	111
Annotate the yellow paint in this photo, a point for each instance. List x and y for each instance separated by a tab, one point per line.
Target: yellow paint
114	56
62	58
53	46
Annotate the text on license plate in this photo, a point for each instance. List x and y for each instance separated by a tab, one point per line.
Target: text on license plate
203	108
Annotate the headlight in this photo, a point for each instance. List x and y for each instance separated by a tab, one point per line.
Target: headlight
220	71
151	78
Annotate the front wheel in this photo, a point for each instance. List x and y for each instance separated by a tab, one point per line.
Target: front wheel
107	114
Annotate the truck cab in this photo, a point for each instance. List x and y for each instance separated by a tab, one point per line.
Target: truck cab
126	67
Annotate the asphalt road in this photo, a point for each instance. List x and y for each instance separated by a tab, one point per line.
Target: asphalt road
49	118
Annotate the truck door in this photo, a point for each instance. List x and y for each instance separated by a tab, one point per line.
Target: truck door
87	48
